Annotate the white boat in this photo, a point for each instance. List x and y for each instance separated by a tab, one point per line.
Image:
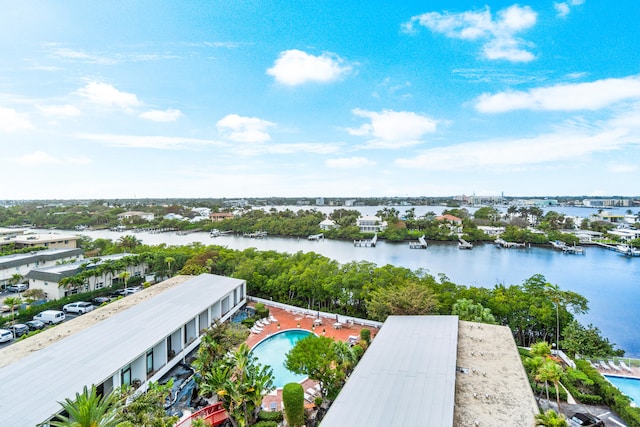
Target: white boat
214	233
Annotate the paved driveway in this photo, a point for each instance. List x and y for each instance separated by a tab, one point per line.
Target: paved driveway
604	413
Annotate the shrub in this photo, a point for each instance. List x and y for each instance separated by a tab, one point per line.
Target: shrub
293	401
266	424
275	416
365	335
261	310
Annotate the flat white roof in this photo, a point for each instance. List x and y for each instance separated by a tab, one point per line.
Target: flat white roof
406	378
32	386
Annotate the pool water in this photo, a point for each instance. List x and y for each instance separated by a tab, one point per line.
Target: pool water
243	314
272	351
628	386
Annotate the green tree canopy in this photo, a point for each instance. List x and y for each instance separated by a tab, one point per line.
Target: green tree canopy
413	298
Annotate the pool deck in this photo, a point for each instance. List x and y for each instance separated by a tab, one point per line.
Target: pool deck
292	319
634	372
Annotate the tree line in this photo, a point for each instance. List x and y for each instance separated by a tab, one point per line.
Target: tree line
535	309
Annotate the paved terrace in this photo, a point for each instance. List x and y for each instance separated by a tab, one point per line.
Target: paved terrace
290	319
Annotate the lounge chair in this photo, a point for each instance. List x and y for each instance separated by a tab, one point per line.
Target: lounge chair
614	366
312	391
273	406
603	365
272	319
259	323
624	366
308	397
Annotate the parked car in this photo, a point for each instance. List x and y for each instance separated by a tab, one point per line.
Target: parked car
19	330
21	287
101	300
50	317
79	307
584	419
35	325
5	335
124	292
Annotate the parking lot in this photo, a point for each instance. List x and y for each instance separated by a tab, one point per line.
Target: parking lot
7	312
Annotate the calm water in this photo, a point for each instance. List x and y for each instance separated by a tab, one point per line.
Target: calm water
271	351
608	280
628	386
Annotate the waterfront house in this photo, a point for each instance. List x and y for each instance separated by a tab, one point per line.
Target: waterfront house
327	224
220	216
130	216
455	223
371	224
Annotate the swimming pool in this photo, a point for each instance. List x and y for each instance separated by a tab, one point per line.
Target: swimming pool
628	386
271	351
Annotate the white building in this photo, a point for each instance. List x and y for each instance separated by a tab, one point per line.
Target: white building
327	224
142	341
371	224
48	278
436	371
47	240
23	263
130	215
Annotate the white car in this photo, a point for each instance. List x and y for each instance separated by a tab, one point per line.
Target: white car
79	307
5	335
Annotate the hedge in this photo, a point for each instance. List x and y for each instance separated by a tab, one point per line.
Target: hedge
612	397
293	401
270	416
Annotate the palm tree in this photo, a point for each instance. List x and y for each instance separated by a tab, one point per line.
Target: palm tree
13	302
124	276
169	260
89	410
550	371
550	419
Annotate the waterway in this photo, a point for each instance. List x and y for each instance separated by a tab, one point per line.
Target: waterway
611	282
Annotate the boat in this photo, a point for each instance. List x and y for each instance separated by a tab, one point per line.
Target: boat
214	233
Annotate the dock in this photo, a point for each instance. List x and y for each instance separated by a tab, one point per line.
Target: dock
255	235
509	245
366	243
420	244
463	244
316	236
562	246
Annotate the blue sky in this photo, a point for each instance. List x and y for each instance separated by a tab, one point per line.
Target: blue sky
121	99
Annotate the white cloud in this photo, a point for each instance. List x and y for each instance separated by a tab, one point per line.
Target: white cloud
349	163
565	145
564	97
156	142
392	129
59	110
35	159
170	115
562	9
499	34
105	94
12	121
244	129
295	67
312	148
621	168
40	158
